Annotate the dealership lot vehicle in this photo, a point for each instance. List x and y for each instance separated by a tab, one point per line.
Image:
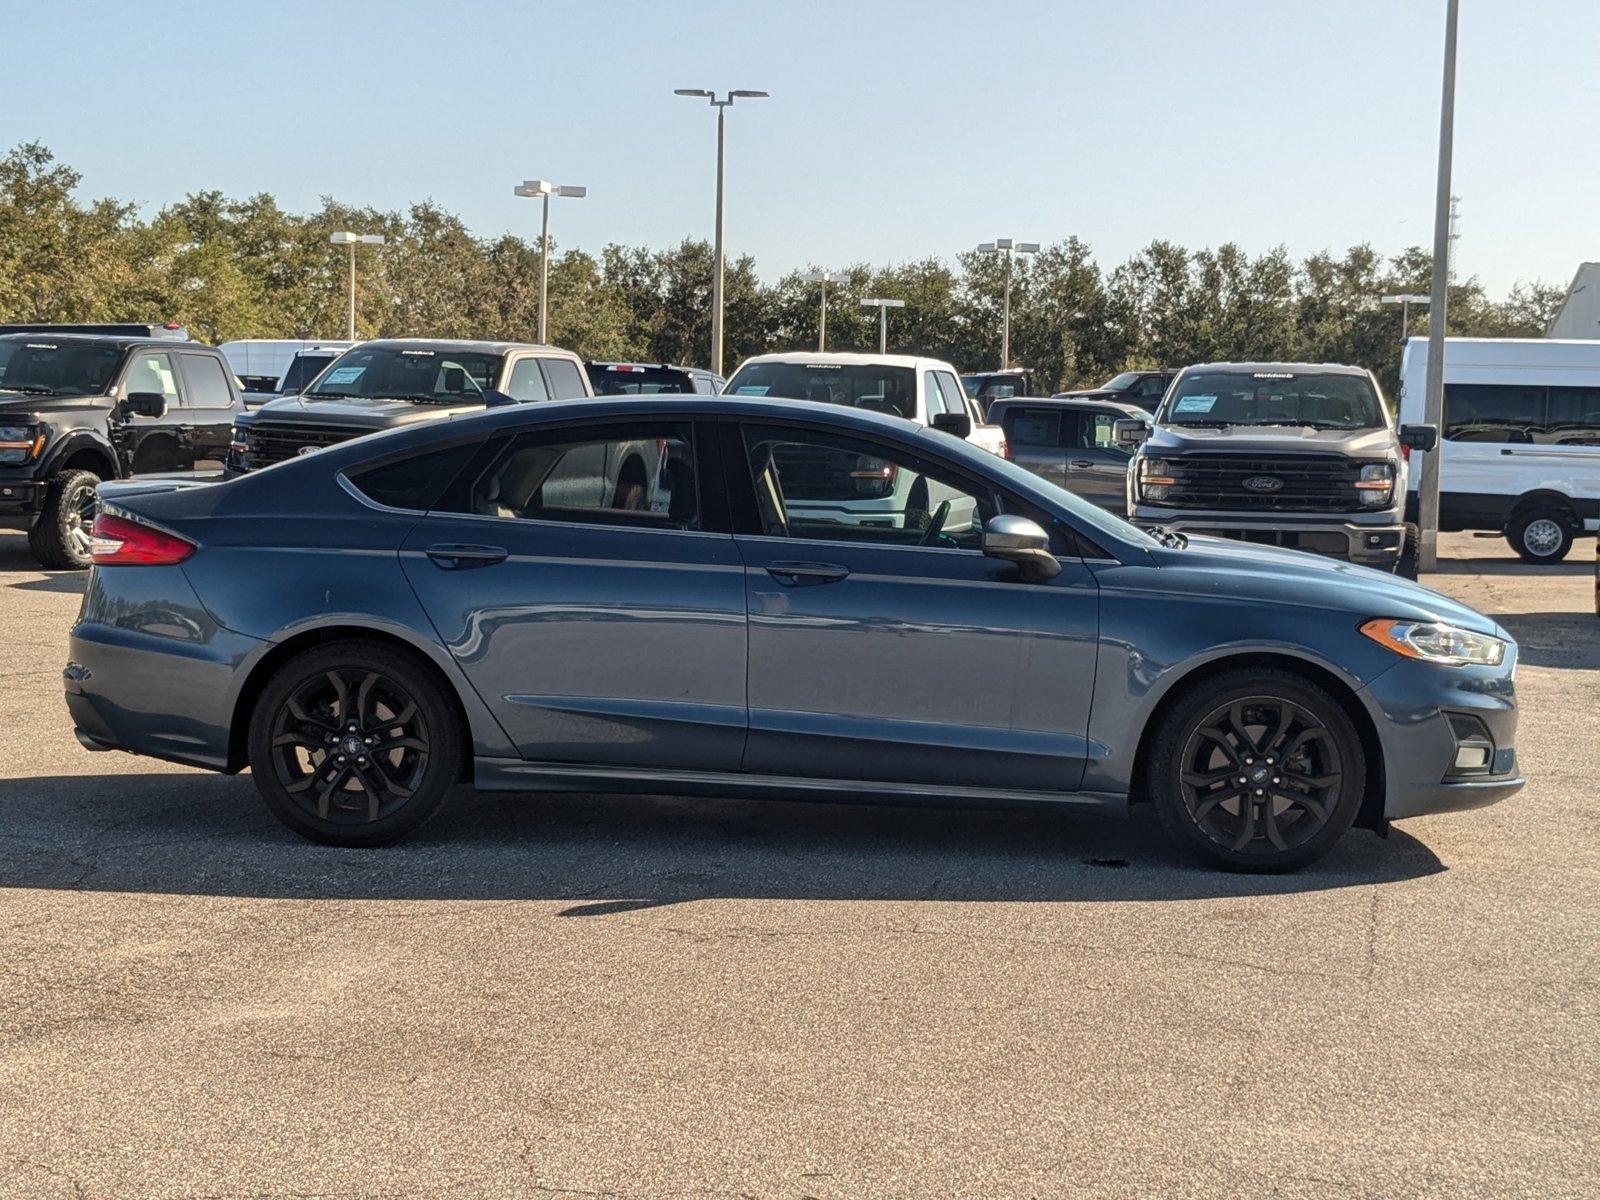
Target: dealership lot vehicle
268	367
986	387
1301	455
1072	442
79	408
1142	389
651	379
1519	452
401	381
474	603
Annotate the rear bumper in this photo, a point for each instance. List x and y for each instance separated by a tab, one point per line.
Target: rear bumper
1374	540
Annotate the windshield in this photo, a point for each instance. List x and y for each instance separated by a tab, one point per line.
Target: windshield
883	389
1121	383
303	369
1318	399
431	376
56	367
973	384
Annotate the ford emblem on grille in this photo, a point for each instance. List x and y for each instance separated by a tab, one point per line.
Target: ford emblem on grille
1263	483
314	449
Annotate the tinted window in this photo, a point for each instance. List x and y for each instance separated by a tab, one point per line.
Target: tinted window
640	475
1574	417
303	369
37	364
414	373
1033	427
1152	386
416	482
149	372
1479	412
1098	432
1119	383
527	381
632	379
566	382
811	484
884	389
1322	400
205	381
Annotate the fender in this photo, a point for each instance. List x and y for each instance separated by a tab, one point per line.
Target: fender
72	443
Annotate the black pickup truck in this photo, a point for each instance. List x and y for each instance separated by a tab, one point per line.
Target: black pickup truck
81	404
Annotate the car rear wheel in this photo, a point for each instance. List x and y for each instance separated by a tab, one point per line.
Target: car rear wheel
354	744
1257	771
59	539
1541	536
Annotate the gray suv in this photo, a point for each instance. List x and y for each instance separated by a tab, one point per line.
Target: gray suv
1300	455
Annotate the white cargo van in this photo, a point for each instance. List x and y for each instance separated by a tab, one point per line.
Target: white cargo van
264	365
1520	443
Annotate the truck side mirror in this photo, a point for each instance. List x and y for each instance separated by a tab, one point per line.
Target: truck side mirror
1129	432
955	424
1419	437
146	404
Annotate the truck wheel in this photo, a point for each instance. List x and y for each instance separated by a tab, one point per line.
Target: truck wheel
1541	535
1257	770
1406	565
59	539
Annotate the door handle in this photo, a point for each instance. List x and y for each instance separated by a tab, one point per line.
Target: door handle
460	558
806	574
1082	464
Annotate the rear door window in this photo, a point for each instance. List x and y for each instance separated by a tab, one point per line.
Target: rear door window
1574	417
566	381
205	382
416	481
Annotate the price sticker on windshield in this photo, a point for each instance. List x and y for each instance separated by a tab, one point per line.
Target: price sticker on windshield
1195	404
344	375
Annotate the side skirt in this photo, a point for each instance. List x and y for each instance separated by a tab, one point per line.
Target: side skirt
514	775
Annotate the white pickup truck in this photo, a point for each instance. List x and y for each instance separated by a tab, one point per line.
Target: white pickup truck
925	390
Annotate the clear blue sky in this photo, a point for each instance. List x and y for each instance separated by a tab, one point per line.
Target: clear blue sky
895	130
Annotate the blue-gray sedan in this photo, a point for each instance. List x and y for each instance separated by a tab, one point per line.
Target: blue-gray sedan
698	595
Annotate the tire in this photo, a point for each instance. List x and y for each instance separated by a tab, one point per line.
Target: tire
59	539
1406	565
917	514
361	799
631	495
1193	776
1541	535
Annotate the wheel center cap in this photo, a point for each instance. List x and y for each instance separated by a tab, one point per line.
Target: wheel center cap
352	745
1258	773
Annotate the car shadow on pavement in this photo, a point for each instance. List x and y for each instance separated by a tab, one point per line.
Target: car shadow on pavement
1565	640
209	835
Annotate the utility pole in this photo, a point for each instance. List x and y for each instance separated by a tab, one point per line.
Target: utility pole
351	241
1428	485
542	189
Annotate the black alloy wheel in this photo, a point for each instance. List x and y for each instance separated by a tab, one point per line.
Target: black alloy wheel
61	536
354	744
1258	771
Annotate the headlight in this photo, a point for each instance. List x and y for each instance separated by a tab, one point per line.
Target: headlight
1155	478
1436	642
1376	484
19	443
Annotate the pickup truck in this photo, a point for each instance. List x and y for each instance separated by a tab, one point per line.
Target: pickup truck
78	407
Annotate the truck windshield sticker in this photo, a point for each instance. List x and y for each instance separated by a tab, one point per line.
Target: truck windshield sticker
344	375
752	389
1195	404
42	346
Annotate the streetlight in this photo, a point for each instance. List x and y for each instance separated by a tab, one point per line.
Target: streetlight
883	307
1405	300
542	189
722	107
1010	249
1433	406
352	240
824	278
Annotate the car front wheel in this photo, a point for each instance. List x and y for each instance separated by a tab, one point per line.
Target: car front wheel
60	538
354	744
1257	770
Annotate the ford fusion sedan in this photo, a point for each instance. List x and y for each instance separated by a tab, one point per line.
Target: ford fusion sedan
471	601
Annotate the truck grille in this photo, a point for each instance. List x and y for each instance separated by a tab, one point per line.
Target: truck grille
271	443
1305	483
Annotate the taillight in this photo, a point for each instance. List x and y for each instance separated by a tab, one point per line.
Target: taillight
119	542
1405	453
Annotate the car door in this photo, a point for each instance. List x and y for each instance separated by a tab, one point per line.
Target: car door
208	409
1034	436
600	627
902	655
1097	466
152	444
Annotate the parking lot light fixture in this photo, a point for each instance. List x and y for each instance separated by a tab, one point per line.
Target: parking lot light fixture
824	278
883	307
541	189
1405	300
1010	248
352	240
722	107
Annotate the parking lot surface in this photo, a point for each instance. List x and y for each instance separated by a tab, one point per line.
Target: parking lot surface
641	997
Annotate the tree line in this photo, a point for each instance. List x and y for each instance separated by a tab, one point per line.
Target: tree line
231	268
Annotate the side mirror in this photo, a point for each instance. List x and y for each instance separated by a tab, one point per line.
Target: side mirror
1021	541
146	404
1129	432
1419	437
955	424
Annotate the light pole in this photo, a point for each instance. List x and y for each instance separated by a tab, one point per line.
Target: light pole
883	307
1428	485
1010	249
352	240
824	278
1405	300
543	189
722	107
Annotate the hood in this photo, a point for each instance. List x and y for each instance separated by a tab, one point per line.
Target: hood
1272	439
1312	581
15	404
363	412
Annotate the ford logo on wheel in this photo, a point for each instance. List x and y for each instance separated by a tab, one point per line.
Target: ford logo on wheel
1263	483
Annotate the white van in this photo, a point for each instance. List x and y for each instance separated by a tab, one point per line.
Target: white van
261	364
1520	443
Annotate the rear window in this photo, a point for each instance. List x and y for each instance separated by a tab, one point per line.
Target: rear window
633	379
303	368
1032	426
414	482
884	389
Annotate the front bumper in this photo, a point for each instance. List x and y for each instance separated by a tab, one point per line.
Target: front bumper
20	501
1374	539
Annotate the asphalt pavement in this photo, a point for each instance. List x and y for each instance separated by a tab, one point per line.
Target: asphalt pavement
657	997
